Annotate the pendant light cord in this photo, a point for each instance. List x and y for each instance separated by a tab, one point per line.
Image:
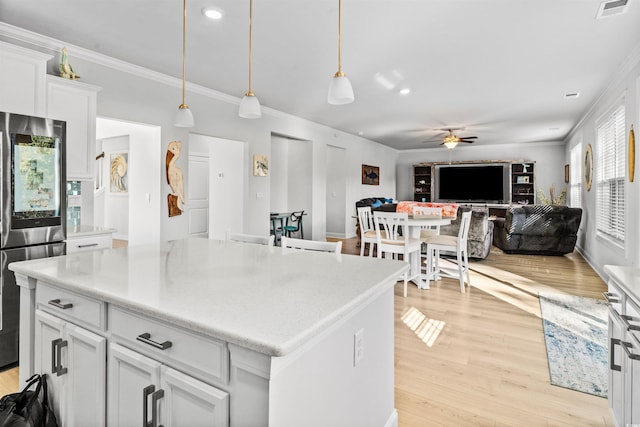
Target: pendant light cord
339	73
184	49
250	45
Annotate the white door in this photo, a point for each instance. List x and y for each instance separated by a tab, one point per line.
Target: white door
85	386
336	196
198	195
190	402
130	373
226	194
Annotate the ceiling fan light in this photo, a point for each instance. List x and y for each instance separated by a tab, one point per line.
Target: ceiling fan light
184	117
450	144
340	90
250	107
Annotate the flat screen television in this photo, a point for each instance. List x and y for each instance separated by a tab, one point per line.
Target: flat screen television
481	183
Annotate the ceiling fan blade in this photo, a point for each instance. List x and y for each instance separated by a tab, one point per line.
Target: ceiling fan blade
468	142
469	137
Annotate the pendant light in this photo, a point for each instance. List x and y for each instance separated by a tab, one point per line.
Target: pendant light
250	106
340	90
184	117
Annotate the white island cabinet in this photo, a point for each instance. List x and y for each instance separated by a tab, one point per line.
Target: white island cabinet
623	297
205	332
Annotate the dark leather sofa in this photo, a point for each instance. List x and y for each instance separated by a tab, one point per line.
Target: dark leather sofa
538	230
377	204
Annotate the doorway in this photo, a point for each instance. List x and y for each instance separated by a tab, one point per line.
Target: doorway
336	195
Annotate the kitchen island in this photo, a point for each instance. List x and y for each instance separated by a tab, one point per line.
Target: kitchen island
197	331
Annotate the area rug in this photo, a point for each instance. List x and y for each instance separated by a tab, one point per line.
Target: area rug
575	333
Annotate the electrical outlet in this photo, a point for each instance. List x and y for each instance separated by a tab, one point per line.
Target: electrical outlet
358	347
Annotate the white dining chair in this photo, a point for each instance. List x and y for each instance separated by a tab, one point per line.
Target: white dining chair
367	229
311	245
390	240
250	238
456	244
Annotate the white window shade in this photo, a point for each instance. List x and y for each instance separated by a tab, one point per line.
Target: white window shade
610	174
575	176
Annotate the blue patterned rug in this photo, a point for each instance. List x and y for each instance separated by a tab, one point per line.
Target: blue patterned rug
575	333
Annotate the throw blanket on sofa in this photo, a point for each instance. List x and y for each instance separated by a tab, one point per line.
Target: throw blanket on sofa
449	210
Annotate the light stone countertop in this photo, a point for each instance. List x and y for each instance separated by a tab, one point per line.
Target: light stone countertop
267	299
87	230
628	278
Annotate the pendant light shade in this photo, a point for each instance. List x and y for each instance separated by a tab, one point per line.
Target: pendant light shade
450	144
184	117
340	90
250	106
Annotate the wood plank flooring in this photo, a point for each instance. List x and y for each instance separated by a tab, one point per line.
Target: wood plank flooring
479	358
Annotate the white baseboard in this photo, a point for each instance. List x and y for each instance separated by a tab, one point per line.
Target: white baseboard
336	235
393	419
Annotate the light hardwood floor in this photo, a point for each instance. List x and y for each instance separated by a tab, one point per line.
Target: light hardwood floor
479	358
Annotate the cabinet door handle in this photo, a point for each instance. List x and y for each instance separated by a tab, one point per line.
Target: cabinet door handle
146	338
611	297
88	245
628	326
612	365
56	303
56	356
154	410
146	392
627	346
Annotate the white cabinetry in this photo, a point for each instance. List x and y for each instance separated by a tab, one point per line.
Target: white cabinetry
22	80
75	103
140	387
624	354
74	360
89	243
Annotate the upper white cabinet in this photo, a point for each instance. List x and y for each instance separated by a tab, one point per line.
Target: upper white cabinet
75	103
22	80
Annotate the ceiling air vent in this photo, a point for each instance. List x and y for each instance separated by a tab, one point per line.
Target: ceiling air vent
611	8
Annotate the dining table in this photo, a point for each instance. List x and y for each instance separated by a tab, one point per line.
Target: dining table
414	225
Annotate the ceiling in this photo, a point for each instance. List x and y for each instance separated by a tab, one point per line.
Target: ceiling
496	69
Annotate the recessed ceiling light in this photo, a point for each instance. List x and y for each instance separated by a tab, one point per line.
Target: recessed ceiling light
405	91
360	133
554	128
571	95
212	13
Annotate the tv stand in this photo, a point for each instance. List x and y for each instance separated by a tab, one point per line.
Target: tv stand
521	183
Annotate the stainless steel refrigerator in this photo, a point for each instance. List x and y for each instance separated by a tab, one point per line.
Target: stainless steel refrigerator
32	208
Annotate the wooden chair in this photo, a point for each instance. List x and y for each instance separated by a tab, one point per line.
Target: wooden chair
250	238
311	245
294	224
456	244
390	242
367	229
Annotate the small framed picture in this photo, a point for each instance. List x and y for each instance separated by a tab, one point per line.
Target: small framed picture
260	165
522	180
370	175
566	174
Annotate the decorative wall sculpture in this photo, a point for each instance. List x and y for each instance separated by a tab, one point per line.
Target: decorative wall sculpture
118	175
175	179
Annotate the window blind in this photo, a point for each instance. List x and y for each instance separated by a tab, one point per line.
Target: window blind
575	176
610	174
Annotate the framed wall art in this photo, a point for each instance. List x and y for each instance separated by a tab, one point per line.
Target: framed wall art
370	175
588	167
260	165
118	178
566	174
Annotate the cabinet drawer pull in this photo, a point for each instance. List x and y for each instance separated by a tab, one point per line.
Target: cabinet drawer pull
612	364
56	303
56	356
146	392
154	409
88	245
611	297
146	338
628	326
627	346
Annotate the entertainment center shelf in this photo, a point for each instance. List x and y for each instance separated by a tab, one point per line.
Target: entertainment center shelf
521	180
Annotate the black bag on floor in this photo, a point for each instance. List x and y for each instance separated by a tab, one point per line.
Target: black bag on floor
25	409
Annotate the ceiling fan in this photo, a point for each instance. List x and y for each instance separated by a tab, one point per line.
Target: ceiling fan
451	140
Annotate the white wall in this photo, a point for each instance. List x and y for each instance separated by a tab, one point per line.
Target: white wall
549	158
597	249
279	174
336	192
146	165
130	93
